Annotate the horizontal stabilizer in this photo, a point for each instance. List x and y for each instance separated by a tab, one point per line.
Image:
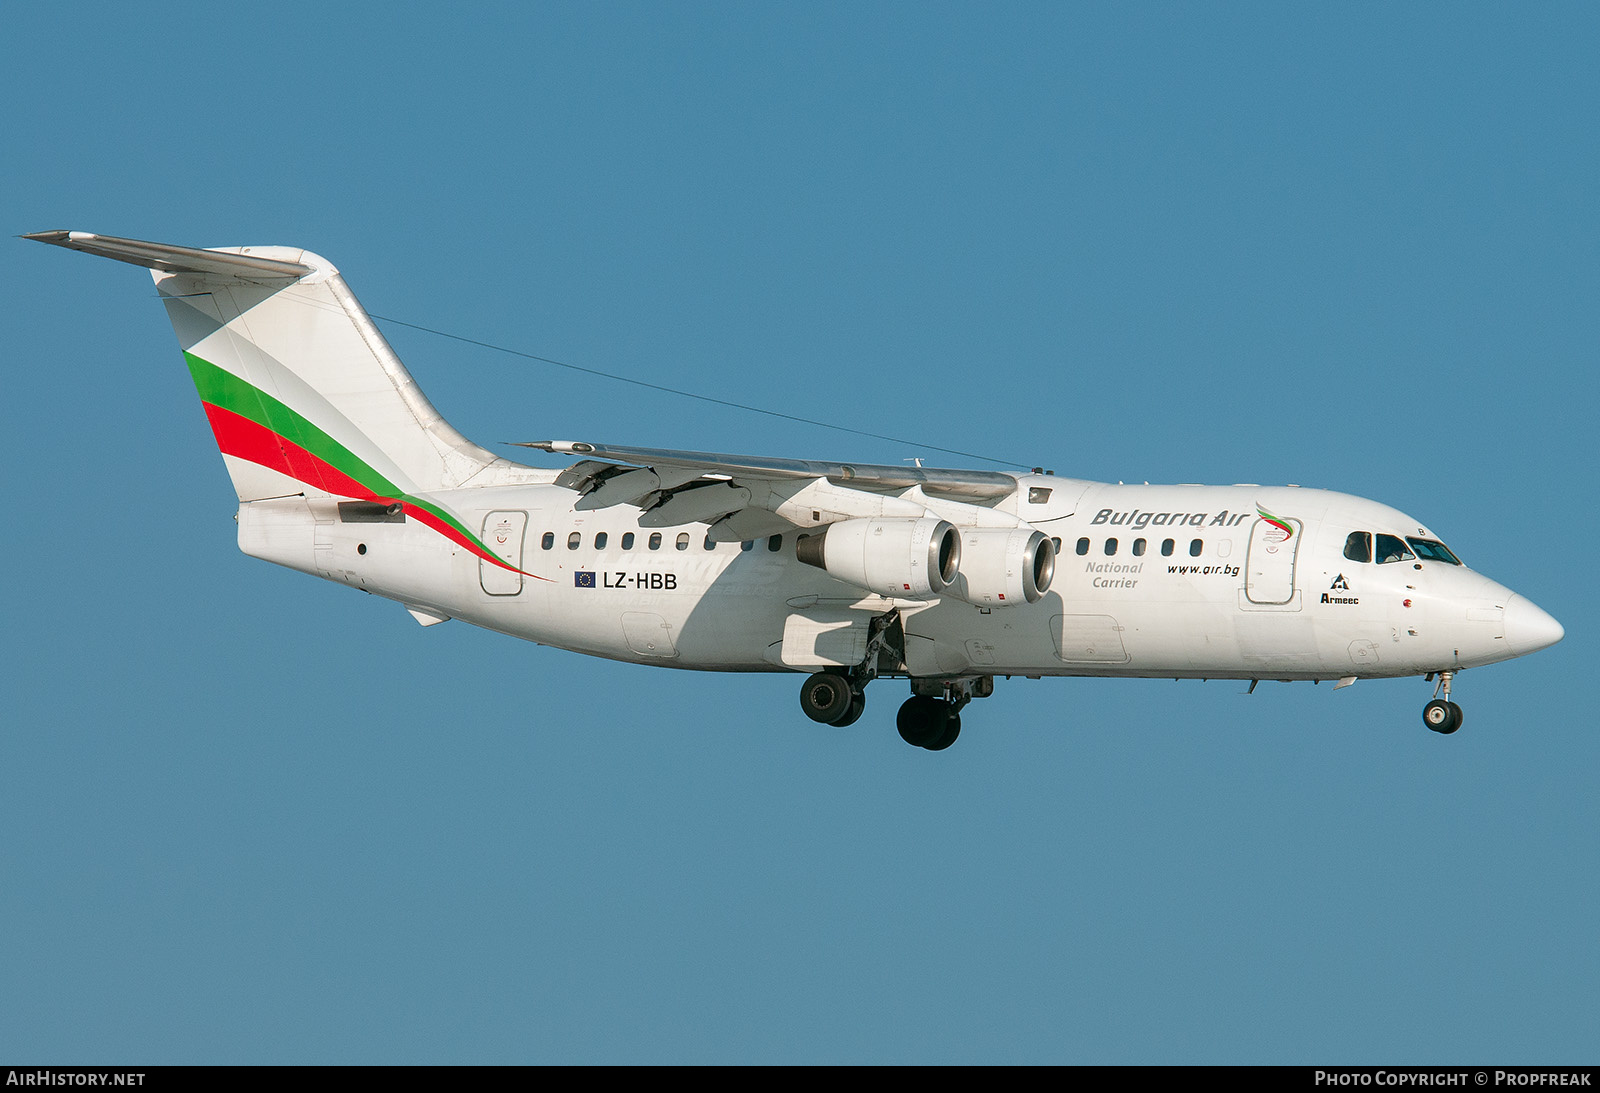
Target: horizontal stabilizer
165	256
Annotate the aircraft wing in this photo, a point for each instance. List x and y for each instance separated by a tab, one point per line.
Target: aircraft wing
747	497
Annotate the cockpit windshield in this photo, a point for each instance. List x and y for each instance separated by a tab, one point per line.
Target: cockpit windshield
1391	549
1366	546
1433	551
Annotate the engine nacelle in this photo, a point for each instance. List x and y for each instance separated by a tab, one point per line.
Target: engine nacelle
1003	567
913	559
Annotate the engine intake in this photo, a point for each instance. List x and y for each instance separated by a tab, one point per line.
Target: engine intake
1003	567
915	559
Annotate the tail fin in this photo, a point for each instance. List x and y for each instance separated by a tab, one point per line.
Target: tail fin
302	391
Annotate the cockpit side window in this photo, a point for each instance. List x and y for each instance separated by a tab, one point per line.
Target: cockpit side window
1358	546
1432	550
1391	549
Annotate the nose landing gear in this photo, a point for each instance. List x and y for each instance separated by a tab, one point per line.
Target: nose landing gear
1441	715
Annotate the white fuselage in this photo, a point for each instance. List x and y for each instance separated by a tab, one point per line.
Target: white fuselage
1168	581
752	563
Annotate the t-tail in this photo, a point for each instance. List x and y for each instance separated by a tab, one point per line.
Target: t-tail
303	393
305	397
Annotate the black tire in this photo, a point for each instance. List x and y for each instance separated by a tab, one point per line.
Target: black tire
858	704
825	697
1441	716
922	719
952	729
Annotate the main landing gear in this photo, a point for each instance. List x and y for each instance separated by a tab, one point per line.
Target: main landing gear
926	722
839	697
831	699
930	718
1442	715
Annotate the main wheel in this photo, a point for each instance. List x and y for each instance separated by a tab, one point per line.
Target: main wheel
952	729
1441	716
825	697
858	704
922	720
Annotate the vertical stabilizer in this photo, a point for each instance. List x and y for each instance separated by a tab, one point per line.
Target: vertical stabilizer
302	391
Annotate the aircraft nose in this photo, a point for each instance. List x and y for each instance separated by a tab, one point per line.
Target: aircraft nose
1529	628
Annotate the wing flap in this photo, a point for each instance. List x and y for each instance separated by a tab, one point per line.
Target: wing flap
696	505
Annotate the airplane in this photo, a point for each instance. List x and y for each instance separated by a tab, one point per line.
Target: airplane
844	572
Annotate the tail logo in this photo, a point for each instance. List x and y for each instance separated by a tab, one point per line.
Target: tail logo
252	425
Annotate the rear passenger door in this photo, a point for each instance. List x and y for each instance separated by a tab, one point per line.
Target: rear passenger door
503	533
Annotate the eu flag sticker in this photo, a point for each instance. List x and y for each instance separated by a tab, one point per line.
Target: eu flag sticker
583	579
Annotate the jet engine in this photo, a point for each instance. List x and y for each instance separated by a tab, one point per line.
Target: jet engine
1002	567
913	559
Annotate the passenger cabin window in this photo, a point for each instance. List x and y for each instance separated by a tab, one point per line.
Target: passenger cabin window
748	545
573	540
1111	547
1167	546
599	540
1391	549
1195	547
709	544
775	543
655	540
1083	546
1055	541
1433	551
683	540
1138	548
627	540
549	540
1358	546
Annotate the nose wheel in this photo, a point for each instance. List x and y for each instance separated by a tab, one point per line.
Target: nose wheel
1441	715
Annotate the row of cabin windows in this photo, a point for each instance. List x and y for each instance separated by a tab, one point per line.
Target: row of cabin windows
1358	547
1139	546
601	538
775	543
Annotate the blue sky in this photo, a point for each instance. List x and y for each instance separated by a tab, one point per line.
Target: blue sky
254	817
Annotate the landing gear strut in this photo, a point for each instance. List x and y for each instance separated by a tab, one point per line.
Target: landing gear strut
1441	715
839	697
930	718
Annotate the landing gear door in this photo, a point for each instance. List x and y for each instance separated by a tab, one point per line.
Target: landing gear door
1269	566
503	533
